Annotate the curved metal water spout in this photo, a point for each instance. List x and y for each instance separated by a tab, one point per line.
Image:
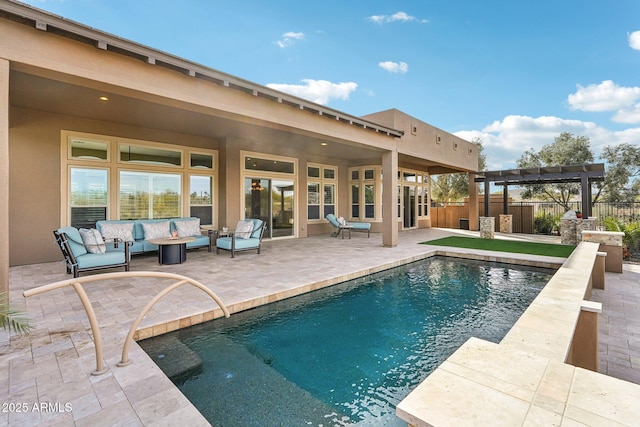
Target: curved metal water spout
93	321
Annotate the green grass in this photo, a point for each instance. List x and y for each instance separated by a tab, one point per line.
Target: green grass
532	248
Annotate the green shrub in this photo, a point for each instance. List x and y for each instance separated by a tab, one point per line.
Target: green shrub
545	223
631	238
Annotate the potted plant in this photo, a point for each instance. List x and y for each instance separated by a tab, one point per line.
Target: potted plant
578	214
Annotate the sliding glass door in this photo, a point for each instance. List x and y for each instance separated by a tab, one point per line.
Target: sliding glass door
273	201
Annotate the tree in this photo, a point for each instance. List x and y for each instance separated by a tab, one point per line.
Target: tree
566	150
455	186
623	169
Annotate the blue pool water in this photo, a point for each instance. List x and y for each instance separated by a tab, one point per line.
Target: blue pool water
347	354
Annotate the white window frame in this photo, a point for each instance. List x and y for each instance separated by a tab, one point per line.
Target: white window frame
322	181
114	165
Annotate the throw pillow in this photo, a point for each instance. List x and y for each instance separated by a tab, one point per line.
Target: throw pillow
156	230
93	241
244	229
122	231
189	227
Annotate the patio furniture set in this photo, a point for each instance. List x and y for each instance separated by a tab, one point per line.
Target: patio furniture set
112	243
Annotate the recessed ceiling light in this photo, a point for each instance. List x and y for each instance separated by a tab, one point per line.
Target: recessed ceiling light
324	144
103	98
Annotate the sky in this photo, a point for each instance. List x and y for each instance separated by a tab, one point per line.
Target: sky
513	74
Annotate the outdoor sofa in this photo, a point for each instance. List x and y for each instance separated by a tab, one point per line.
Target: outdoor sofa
139	232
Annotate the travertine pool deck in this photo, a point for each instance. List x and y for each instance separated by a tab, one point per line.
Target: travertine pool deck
52	365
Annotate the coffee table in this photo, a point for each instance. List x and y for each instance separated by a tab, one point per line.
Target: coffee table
172	250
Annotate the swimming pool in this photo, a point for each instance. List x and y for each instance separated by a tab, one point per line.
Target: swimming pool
345	354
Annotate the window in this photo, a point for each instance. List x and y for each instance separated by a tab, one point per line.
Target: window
145	195
145	155
268	165
87	149
201	198
366	193
105	177
355	201
321	191
89	198
369	201
313	200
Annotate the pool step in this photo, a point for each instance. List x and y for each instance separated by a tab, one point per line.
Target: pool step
176	360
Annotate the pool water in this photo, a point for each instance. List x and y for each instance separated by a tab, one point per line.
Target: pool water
347	354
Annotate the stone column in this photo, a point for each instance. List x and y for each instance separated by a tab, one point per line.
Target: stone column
568	231
487	227
584	224
506	223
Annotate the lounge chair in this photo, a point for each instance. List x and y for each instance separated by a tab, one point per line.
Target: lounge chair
342	225
243	239
78	257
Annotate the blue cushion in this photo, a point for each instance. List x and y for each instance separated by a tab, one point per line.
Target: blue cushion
257	228
360	225
75	240
199	242
225	243
333	220
98	260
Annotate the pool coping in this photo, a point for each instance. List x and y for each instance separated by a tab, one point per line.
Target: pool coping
526	378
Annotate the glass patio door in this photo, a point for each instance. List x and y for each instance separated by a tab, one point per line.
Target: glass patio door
273	201
409	206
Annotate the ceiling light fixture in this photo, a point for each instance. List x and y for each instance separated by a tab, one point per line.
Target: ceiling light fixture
103	98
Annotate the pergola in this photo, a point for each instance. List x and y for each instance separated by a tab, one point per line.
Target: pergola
584	174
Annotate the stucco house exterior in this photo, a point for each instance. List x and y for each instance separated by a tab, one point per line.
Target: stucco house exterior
93	126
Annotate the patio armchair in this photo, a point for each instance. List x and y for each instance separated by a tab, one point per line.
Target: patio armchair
247	236
78	257
341	225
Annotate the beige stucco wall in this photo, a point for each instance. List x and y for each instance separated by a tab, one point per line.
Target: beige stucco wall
424	141
34	176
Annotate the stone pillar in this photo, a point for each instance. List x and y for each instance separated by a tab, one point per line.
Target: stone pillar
487	227
506	223
583	225
568	231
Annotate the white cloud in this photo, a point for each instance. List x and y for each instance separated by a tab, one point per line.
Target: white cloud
394	67
634	40
318	91
396	17
608	96
506	140
289	38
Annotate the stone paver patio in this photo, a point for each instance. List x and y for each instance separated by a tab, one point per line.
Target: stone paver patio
46	375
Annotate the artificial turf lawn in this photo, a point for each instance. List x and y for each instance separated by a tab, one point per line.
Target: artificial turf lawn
532	248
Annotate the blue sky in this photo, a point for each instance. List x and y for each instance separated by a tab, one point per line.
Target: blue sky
514	74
